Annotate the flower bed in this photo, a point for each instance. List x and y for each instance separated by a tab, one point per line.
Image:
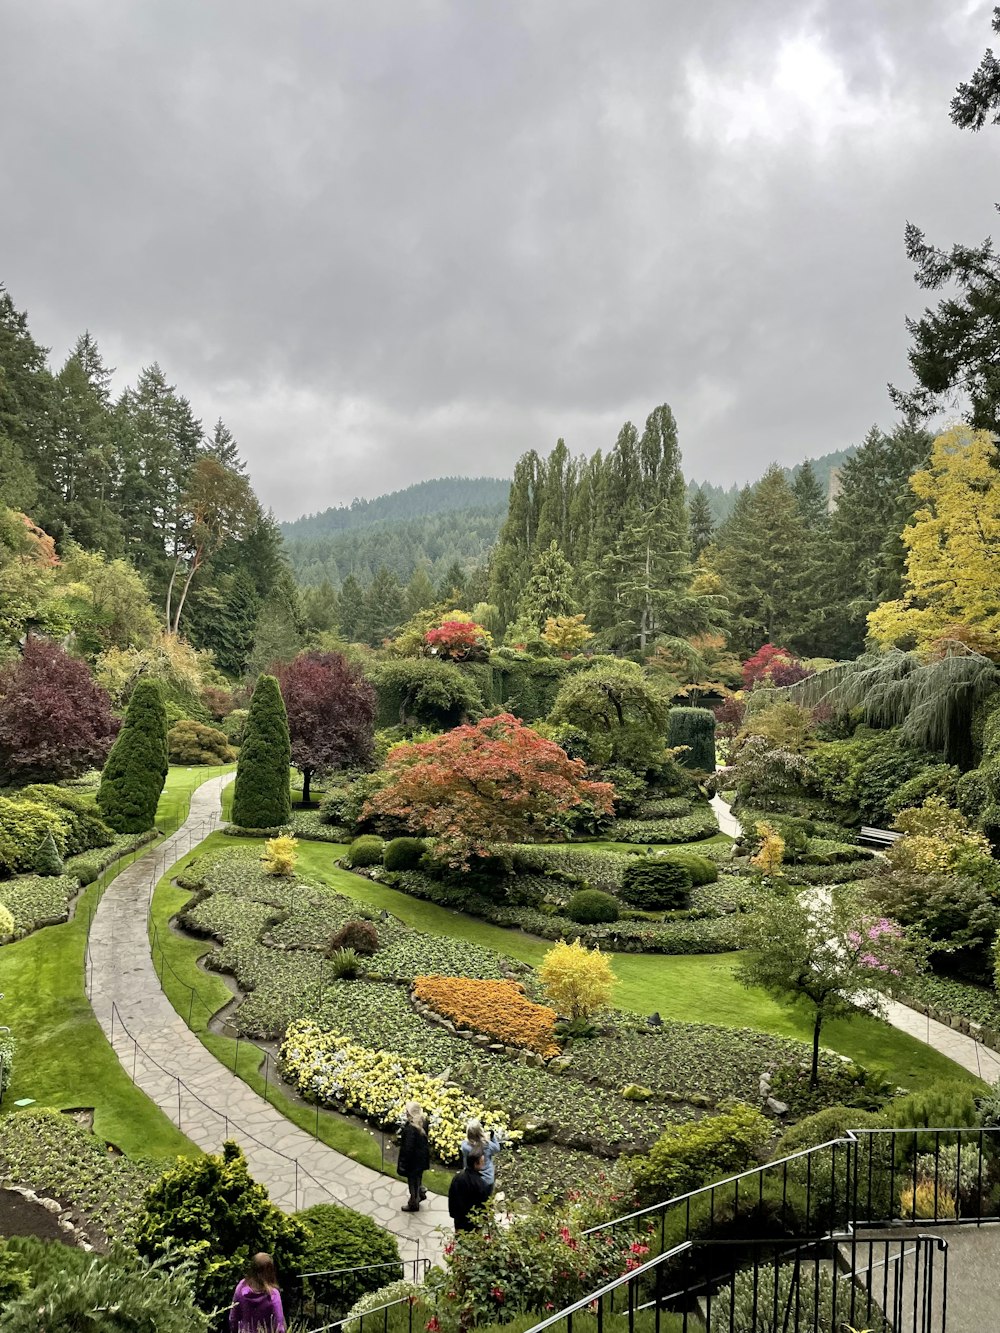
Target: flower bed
498	1009
688	828
329	1068
956	1003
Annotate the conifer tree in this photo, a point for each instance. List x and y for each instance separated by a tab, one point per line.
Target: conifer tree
701	521
351	609
262	798
549	590
810	497
515	546
420	592
137	766
48	862
452	586
384	607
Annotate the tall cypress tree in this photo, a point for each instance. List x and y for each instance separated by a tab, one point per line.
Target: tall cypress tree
136	768
261	798
702	522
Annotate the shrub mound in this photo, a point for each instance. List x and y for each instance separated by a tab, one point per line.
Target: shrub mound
191	742
404	853
341	1238
590	907
137	766
364	852
656	885
687	1156
360	936
498	1009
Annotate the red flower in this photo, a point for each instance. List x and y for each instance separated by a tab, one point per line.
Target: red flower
497	1294
432	1325
450	1247
631	1265
564	1235
636	1248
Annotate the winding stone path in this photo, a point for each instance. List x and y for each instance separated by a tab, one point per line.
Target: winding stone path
964	1050
208	1103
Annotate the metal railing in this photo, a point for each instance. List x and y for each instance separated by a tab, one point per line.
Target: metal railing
329	1295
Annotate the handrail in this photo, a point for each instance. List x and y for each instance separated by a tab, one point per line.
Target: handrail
634	1275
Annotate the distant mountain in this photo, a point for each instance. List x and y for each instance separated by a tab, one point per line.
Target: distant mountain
433	524
443	495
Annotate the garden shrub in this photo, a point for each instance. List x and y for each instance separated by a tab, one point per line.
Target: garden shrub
137	766
701	869
361	936
84	829
748	1303
689	828
403	853
392	1293
599	870
832	1122
364	852
655	885
695	728
344	964
233	726
6	922
47	859
578	981
667	807
428	692
697	1152
943	1104
937	780
24	826
498	1009
210	1210
191	742
262	796
280	855
338	1237
590	906
8	1049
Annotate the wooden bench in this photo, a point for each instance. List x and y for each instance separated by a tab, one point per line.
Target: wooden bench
878	837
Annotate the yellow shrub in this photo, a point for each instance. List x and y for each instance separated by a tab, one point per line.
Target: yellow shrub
577	981
920	1202
280	855
499	1009
771	851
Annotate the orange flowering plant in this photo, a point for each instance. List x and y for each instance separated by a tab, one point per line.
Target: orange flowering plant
498	1009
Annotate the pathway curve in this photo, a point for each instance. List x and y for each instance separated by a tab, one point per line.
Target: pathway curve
964	1050
207	1102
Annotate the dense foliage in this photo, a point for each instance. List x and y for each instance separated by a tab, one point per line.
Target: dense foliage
136	770
331	714
261	797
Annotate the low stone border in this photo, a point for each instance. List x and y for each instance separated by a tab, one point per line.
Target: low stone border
65	1217
989	1037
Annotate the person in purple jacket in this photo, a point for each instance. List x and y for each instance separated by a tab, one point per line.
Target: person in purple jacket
256	1306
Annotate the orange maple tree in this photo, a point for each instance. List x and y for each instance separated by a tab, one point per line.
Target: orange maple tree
493	781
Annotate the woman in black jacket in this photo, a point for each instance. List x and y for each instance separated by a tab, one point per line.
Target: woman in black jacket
414	1155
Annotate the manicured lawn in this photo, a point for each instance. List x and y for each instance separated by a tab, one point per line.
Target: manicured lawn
63	1059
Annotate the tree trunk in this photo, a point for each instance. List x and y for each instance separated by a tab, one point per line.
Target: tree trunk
170	594
306	779
817	1024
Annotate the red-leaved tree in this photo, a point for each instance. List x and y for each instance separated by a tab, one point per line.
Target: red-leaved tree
55	721
460	640
494	781
331	714
771	665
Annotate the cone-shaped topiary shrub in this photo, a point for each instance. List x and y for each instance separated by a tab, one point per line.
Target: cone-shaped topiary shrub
262	798
695	728
47	859
137	766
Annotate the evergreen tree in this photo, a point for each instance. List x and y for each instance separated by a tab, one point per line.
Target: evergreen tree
26	410
701	522
262	797
48	862
351	609
277	637
760	556
549	589
384	607
557	484
420	592
452	586
319	608
511	561
137	766
223	448
810	497
82	468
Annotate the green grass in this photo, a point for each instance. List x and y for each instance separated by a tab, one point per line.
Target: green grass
63	1058
700	988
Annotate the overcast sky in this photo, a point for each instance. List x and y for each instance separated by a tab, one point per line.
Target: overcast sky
407	238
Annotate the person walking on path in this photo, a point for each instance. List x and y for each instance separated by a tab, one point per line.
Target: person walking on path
477	1142
467	1191
256	1306
414	1155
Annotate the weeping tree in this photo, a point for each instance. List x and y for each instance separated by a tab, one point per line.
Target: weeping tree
694	728
932	702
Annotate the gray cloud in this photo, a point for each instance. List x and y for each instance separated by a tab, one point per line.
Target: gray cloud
416	237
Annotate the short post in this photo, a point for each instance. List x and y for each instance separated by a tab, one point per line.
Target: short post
178	1103
236	1057
266	1058
296	1184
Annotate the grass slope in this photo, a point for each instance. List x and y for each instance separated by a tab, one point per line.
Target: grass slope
63	1058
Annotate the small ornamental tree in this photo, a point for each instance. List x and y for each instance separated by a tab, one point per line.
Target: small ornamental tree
261	798
827	953
771	665
566	634
212	1212
47	860
55	722
331	714
459	638
577	981
496	781
137	766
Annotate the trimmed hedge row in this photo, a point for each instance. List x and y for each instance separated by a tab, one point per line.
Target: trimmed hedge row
688	828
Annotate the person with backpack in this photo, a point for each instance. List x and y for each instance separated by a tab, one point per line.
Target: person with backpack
256	1306
467	1191
477	1142
414	1155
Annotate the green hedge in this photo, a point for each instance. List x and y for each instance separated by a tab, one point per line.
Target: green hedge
689	828
341	1238
702	869
588	907
689	1155
655	885
695	728
433	694
364	852
404	853
84	827
24	826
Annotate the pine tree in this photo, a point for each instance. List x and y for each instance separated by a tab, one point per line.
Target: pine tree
701	522
384	607
452	586
549	589
809	497
351	609
420	592
223	448
48	862
262	797
511	560
137	766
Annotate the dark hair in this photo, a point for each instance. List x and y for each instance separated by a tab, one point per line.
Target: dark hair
260	1274
475	1158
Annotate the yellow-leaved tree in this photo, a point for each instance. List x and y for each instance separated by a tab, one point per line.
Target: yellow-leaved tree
566	634
280	855
953	547
577	981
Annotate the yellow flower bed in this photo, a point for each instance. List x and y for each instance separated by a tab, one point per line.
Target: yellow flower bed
498	1009
378	1084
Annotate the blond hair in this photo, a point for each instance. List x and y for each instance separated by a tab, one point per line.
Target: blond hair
415	1115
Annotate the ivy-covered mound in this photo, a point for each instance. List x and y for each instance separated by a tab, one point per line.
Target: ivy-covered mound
359	1044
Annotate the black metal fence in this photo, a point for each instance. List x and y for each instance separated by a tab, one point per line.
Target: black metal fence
327	1297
